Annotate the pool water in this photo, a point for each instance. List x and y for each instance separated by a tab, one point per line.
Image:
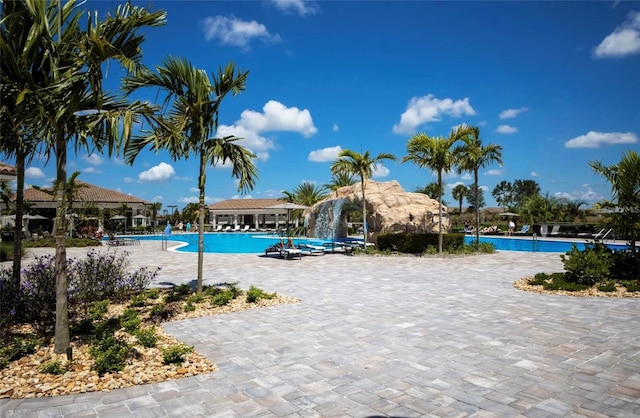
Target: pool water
250	243
530	245
223	242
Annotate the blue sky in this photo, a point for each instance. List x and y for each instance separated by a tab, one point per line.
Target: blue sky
555	83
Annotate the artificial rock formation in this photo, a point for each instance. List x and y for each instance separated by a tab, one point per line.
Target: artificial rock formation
389	209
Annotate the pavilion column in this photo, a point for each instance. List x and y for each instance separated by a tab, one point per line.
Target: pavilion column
256	221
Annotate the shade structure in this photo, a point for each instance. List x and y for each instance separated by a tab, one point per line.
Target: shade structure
289	206
118	218
33	217
509	215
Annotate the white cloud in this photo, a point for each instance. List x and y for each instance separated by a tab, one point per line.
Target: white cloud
494	172
34	173
195	199
128	180
452	185
421	110
236	32
300	7
255	143
335	127
594	139
512	113
380	171
158	174
586	193
91	170
465	176
157	199
278	117
506	129
93	159
325	154
194	190
534	174
624	40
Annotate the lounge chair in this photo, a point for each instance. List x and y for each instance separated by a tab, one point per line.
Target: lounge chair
227	228
311	249
246	228
284	250
524	230
218	228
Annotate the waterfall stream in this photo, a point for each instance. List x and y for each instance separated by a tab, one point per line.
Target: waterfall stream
328	219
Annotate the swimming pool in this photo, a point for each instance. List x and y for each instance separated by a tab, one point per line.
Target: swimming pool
531	245
222	242
252	243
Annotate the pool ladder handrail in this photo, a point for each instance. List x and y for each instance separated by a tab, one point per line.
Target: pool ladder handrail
610	231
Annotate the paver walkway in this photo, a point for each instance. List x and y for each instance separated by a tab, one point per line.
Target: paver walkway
387	336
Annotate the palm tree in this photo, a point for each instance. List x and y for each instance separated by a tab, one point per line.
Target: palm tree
59	76
435	153
191	124
352	163
459	193
473	156
155	208
340	180
624	178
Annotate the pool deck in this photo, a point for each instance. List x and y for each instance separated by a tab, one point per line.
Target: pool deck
384	336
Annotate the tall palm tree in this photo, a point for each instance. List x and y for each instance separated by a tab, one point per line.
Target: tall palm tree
59	75
155	209
436	154
473	156
459	192
191	124
624	178
362	165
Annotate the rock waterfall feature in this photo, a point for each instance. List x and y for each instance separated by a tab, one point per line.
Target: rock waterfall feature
389	209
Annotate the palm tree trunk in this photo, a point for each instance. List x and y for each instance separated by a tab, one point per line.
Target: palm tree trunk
201	208
364	214
62	339
17	231
475	178
440	212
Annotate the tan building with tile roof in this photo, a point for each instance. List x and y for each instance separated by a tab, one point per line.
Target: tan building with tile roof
7	172
99	197
258	214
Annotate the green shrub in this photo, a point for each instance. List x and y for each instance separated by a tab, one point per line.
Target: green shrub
590	266
175	354
607	287
177	293
109	354
480	247
130	320
222	298
539	279
254	294
53	367
559	282
98	310
159	312
9	300
152	293
626	266
632	286
418	243
138	301
189	307
147	337
18	348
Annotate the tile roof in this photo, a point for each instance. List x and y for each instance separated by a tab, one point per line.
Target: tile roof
7	169
244	204
90	193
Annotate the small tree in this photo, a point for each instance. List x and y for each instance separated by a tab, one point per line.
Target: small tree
624	178
459	193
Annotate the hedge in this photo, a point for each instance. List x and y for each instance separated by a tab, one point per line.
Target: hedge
418	243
